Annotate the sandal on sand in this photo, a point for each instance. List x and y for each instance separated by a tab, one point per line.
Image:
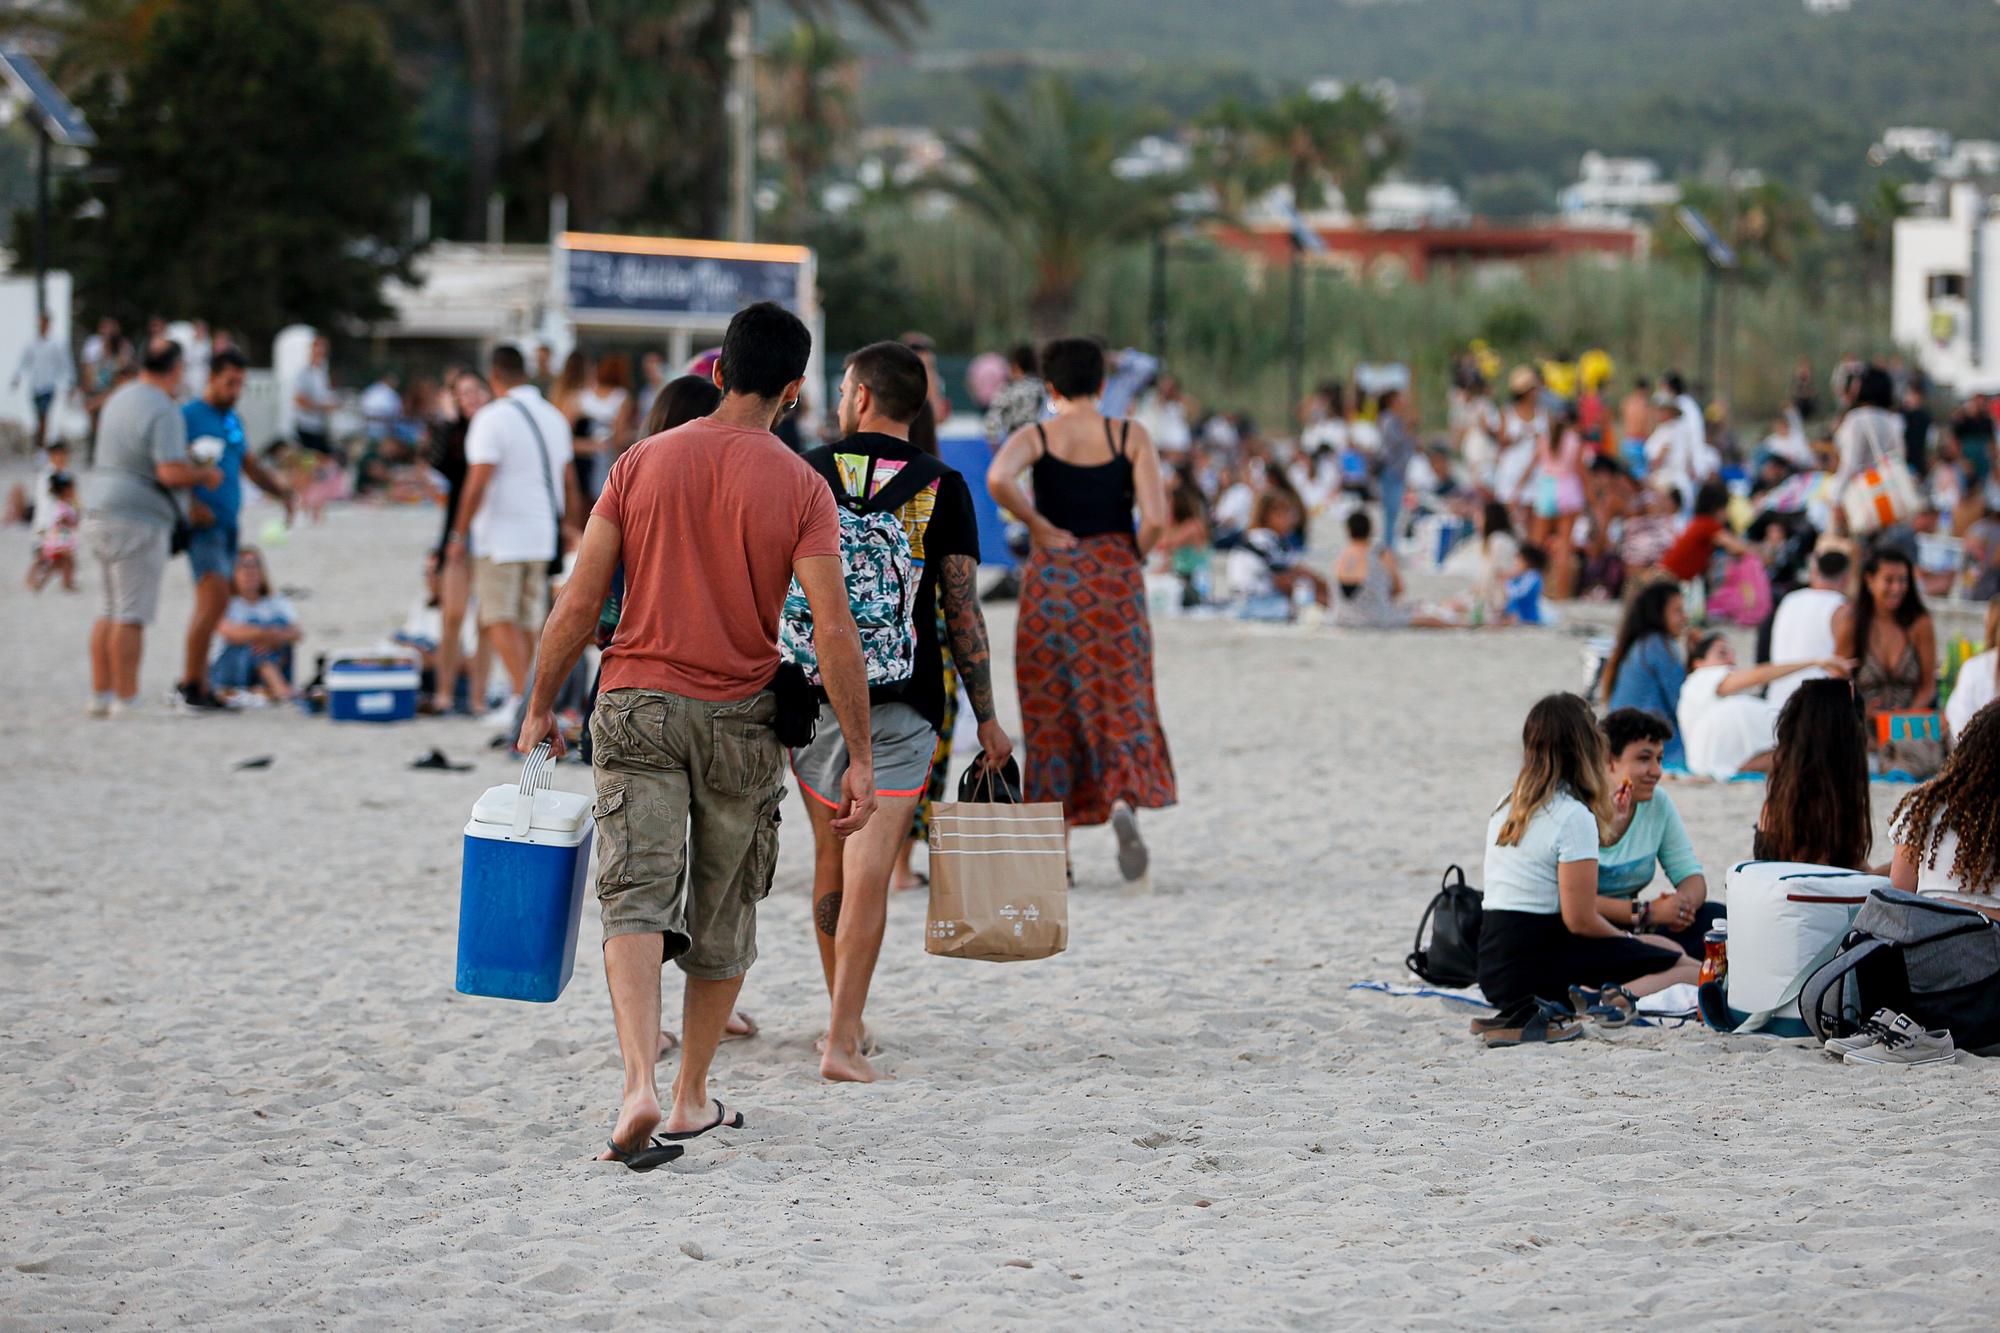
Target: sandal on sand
1132	857
723	1120
654	1155
1544	1023
1612	1007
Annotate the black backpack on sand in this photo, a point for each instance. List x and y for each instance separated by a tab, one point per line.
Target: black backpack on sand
1452	919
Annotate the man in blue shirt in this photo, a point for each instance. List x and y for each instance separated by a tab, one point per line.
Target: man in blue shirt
213	426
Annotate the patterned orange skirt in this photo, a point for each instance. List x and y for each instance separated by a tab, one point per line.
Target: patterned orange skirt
1083	662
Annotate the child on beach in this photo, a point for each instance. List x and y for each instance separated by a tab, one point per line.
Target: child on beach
259	630
55	538
1524	588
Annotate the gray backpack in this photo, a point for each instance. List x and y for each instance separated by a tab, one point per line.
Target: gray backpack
1936	961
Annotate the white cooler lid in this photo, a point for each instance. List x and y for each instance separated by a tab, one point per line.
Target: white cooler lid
555	811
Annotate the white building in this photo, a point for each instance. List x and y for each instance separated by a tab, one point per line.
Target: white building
1945	291
1616	187
1919	143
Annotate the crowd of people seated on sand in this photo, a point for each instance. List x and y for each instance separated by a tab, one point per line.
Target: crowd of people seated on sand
1570	928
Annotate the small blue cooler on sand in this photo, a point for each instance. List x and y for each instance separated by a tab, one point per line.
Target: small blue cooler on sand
520	896
372	685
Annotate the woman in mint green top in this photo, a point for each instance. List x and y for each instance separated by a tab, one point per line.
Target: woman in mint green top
1650	833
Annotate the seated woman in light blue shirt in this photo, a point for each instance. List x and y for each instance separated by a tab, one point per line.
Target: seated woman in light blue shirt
1544	945
1645	668
1647	832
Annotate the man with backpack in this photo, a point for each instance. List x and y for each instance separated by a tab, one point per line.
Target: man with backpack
910	546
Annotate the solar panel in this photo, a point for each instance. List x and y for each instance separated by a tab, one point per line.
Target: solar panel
62	121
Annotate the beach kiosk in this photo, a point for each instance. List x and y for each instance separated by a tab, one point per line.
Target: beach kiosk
682	292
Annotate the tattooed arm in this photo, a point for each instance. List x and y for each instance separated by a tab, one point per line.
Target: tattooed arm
959	592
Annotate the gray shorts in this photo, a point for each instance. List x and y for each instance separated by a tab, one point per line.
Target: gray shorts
687	822
903	743
133	556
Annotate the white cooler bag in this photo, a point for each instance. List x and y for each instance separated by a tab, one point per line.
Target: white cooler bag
1785	919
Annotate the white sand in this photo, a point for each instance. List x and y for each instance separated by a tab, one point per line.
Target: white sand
237	1088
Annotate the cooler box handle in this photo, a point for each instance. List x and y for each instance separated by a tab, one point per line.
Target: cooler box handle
536	775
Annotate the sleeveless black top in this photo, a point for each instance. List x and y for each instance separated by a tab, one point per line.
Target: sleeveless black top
1086	501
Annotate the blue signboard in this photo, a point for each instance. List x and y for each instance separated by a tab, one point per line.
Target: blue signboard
59	120
696	281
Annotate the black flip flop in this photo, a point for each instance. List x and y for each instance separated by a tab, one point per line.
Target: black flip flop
436	759
723	1120
654	1155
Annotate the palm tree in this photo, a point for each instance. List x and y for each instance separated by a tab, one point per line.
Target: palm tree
1042	175
806	95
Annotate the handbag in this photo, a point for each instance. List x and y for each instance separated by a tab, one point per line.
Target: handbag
183	533
999	872
1880	496
1452	957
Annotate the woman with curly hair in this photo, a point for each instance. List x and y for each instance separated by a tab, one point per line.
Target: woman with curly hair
1948	830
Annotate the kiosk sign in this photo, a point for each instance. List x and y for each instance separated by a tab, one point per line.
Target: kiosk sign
643	276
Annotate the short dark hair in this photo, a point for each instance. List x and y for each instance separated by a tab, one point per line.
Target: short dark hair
1534	557
1022	357
1876	389
507	362
1359	525
1626	727
228	359
1831	564
896	376
1675	384
1712	498
764	351
1074	367
161	357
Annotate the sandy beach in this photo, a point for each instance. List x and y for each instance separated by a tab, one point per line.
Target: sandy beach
239	1091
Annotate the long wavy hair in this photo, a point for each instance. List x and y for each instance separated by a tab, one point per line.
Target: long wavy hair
1561	749
1906	614
1965	798
1645	617
1816	804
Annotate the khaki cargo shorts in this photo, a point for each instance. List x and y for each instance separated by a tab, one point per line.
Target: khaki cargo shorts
510	592
687	822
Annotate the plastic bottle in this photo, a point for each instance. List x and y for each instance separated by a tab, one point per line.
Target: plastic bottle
1715	954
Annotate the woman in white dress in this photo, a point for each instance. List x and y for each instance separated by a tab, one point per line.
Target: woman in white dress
608	409
1727	729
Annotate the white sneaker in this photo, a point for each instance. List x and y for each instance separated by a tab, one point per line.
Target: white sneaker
506	714
100	705
1866	1035
1905	1042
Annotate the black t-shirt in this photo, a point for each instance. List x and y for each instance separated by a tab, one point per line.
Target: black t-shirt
940	522
1917	440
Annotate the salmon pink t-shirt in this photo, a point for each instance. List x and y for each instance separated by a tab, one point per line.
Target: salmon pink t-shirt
714	516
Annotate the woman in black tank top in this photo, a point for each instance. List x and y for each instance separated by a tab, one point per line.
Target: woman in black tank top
1083	651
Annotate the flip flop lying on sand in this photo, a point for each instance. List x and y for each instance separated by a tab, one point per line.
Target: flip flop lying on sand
437	759
723	1120
1612	1007
1544	1023
1132	856
649	1158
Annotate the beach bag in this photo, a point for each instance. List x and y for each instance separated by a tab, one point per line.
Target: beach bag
879	558
1744	595
1786	918
999	872
1937	961
1451	958
1880	496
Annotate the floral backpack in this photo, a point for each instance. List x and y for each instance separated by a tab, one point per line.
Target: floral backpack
882	566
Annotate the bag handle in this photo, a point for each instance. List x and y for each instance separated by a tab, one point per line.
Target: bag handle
537	774
980	783
1419	957
548	478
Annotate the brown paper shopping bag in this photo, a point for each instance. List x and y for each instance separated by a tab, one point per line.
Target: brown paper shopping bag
999	876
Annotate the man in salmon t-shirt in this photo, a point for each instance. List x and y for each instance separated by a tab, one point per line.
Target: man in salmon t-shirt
712	521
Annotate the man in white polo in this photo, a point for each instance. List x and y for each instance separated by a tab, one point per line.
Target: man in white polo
518	487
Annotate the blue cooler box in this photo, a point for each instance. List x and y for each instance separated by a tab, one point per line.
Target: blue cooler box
520	897
372	685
